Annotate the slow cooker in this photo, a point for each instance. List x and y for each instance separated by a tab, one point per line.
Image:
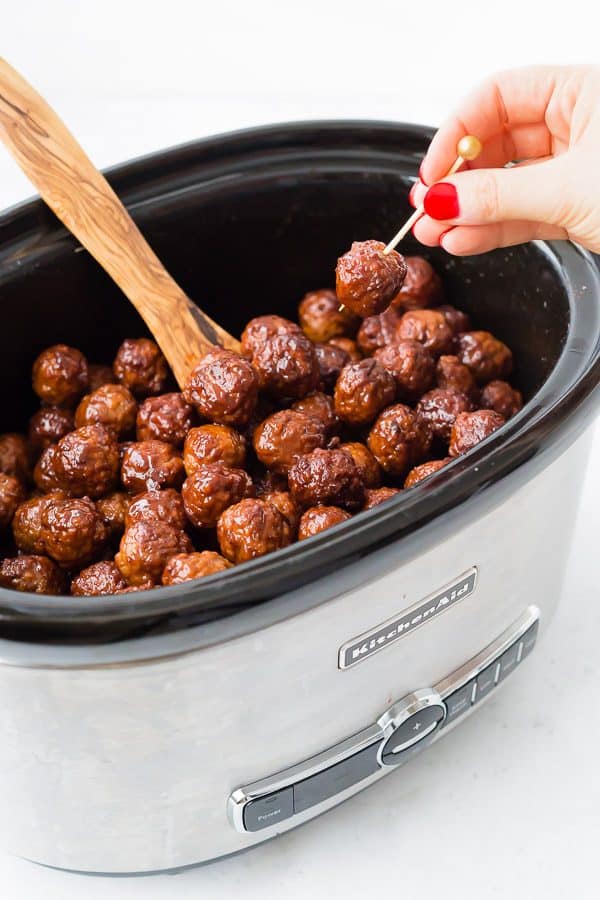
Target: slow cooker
150	732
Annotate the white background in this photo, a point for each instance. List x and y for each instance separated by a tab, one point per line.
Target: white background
509	804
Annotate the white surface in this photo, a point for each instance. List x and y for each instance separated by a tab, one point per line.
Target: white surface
508	804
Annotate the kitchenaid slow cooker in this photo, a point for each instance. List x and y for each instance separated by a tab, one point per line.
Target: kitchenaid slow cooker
152	731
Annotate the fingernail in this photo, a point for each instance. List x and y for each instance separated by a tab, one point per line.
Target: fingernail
421	172
441	201
410	195
443	235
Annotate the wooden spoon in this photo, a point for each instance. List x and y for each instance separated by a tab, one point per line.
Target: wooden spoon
84	201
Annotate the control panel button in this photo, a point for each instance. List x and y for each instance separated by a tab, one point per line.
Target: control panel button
414	729
335	779
486	680
460	701
266	811
528	640
509	660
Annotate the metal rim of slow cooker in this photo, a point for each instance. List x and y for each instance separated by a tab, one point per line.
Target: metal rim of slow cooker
550	418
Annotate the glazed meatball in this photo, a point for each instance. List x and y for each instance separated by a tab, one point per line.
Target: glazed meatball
366	279
422	285
69	531
502	398
213	443
27	525
286	435
331	361
150	466
165	418
424	471
14	456
319	518
60	375
12	493
378	331
140	366
320	406
146	547
112	405
326	478
411	365
472	427
487	357
375	496
322	319
99	578
99	375
113	510
286	366
287	506
429	327
187	566
211	489
223	388
348	345
157	506
399	440
250	529
451	374
365	462
439	409
34	574
48	425
458	320
262	329
362	391
85	462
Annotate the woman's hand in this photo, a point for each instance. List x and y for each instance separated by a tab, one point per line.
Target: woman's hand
547	118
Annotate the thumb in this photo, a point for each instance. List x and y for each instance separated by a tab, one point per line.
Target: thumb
483	196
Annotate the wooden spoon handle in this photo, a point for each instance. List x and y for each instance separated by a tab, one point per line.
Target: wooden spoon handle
84	201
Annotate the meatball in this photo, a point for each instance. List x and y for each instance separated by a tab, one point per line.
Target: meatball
165	418
366	279
379	495
424	471
98	375
378	331
502	398
112	405
99	578
422	285
140	366
48	425
151	465
411	365
458	320
319	518
320	406
211	489
223	388
286	366
60	375
113	510
85	462
157	506
34	574
145	549
326	478
286	435
472	427
250	529
262	329
14	456
187	566
347	344
429	327
322	319
12	493
213	443
331	361
27	525
487	357
399	440
365	462
451	374
69	531
363	389
439	409
287	506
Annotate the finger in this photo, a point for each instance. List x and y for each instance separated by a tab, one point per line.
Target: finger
518	143
428	232
466	240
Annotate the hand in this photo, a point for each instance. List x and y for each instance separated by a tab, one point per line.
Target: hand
548	118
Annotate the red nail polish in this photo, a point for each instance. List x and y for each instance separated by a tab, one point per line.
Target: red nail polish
441	201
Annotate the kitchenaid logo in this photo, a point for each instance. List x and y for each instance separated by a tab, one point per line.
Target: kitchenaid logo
381	636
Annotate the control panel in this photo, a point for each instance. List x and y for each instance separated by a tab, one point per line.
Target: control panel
404	729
